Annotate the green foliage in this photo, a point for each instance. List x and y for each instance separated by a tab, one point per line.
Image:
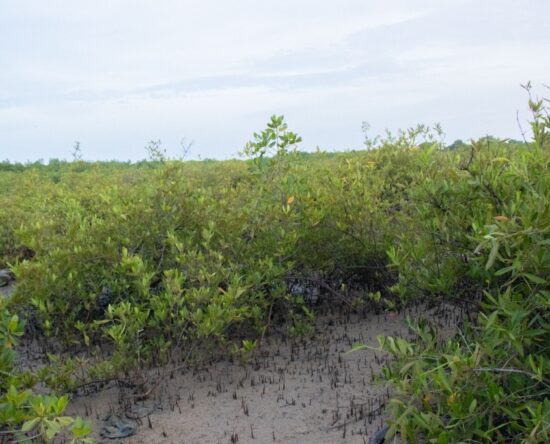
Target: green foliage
153	263
24	415
159	258
480	237
275	140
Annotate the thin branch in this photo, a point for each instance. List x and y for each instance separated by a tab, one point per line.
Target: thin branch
505	370
511	370
522	131
146	394
268	324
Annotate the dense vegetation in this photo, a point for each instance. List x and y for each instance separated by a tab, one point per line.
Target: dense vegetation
132	265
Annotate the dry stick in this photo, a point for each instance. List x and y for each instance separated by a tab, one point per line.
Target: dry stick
268	322
351	421
98	381
163	377
466	167
335	293
29	438
521	130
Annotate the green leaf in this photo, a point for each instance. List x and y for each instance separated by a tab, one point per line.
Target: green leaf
65	421
80	427
535	279
29	425
491	320
443	438
504	270
61	404
406	367
13	324
473	406
52	429
356	347
492	255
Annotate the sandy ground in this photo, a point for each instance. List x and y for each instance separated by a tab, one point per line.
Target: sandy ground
305	391
302	391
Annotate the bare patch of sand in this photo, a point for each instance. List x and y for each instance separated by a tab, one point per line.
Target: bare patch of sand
307	390
304	391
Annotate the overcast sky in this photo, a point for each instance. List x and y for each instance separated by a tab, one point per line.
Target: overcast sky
116	74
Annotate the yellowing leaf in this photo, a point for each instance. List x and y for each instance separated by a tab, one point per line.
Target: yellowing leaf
290	200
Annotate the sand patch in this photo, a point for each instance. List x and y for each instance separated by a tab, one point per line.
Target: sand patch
291	391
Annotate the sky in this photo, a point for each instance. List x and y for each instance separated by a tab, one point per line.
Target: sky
115	74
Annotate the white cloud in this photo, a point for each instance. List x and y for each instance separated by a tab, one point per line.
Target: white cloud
114	74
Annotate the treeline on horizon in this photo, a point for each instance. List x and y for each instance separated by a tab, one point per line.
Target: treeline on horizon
79	165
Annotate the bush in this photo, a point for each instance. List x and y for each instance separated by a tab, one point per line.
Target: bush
480	238
25	415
